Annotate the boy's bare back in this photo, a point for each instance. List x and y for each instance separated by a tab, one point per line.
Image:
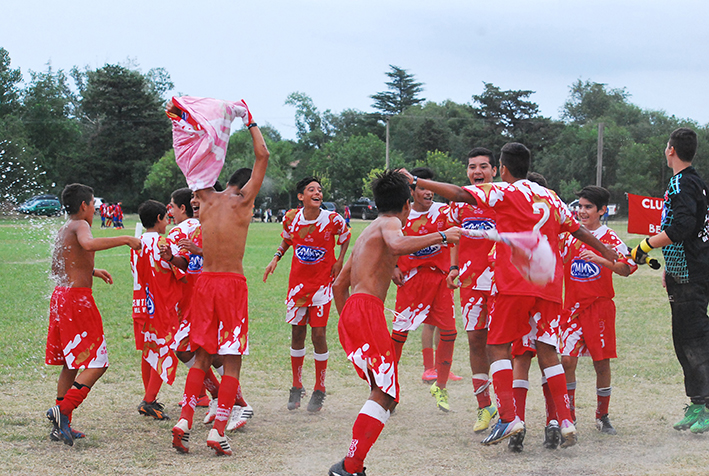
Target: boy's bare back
72	265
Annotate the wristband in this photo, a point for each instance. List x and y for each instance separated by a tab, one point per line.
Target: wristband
443	236
278	253
93	272
453	267
645	245
171	258
414	181
253	124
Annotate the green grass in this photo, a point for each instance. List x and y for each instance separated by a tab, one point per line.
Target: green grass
648	392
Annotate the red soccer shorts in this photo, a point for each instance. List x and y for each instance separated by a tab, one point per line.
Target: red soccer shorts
364	336
424	298
316	316
514	317
220	314
475	306
590	331
138	325
75	336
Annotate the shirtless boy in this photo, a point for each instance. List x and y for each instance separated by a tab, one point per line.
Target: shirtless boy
73	316
363	328
219	326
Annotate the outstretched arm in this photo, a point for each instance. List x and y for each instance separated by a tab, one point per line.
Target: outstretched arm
448	191
89	243
587	237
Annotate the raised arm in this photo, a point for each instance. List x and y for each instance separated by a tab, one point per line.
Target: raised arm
252	187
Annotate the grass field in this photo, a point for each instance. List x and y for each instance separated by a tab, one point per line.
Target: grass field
648	395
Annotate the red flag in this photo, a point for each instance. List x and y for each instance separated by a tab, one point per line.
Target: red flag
644	214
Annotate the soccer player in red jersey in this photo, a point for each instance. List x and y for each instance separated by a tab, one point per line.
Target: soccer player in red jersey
156	292
588	324
523	206
423	295
472	267
75	338
220	324
363	328
313	234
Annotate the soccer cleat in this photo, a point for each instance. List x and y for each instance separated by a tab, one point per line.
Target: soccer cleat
203	401
239	416
441	395
486	414
429	375
453	377
61	425
503	430
153	409
604	425
295	395
181	436
212	412
691	415
54	434
316	401
568	434
516	442
338	469
552	435
219	443
702	423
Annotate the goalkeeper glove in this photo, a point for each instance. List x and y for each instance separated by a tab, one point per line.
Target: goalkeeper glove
640	252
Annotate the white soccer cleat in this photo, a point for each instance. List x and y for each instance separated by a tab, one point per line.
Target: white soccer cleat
219	443
239	417
212	412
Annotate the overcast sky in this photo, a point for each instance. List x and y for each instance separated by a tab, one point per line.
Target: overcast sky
338	51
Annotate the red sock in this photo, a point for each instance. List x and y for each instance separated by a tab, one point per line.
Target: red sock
296	361
227	397
73	398
557	386
320	370
194	382
211	383
549	402
444	357
481	386
154	384
58	401
365	431
501	371
519	391
240	397
399	339
145	370
571	392
603	398
428	361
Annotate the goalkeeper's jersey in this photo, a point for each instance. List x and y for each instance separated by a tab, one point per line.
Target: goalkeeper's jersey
686	222
525	206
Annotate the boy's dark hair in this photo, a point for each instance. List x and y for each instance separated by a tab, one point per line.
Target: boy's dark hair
536	177
599	196
516	157
150	212
240	177
74	195
684	140
391	191
304	182
477	151
183	196
218	186
422	172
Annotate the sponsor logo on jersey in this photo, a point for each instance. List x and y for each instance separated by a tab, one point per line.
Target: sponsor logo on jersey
478	224
195	265
149	301
427	252
584	270
310	254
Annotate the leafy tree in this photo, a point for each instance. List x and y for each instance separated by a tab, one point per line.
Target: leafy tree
313	131
9	78
125	127
403	92
164	178
445	168
505	112
589	101
48	116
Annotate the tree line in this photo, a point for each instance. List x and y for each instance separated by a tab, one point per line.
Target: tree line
106	127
